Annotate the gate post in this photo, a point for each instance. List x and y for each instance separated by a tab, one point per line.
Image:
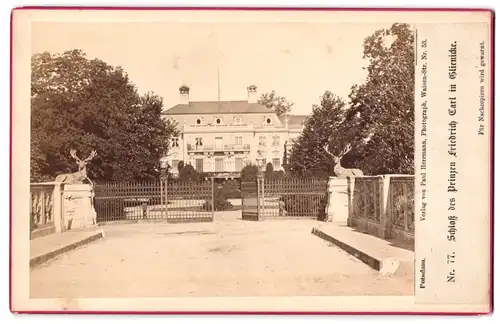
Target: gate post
161	195
213	198
166	197
260	196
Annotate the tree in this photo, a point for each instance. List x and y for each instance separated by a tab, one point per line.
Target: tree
249	172
307	157
180	166
382	109
285	156
269	169
87	104
276	103
188	173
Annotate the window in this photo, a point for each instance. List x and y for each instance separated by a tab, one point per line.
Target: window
276	141
199	165
238	164
262	141
219	164
175	142
238	140
219	120
175	164
199	141
218	143
261	163
276	163
267	121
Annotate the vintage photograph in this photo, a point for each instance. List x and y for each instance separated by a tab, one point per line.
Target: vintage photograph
236	159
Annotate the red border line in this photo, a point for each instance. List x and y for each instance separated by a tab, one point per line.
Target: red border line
10	161
492	150
491	167
251	8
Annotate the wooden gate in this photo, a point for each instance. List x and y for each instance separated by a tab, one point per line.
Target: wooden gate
172	200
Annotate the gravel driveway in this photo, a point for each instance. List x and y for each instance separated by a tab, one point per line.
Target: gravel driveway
229	258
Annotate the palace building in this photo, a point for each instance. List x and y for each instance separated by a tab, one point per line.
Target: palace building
221	137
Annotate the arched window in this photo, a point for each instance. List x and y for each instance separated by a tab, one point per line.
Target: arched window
218	120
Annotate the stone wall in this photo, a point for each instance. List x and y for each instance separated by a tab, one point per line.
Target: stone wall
382	206
68	206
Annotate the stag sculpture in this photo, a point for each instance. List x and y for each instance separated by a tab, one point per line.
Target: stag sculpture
340	171
81	175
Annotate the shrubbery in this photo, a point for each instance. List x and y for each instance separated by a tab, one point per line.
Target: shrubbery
249	173
220	199
220	204
231	189
297	205
110	209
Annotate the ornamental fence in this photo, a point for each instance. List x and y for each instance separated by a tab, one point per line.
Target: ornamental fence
281	198
383	206
173	201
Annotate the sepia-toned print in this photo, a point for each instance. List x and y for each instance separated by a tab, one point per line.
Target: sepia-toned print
213	191
230	159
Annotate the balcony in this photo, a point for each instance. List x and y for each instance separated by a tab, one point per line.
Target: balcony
200	148
218	148
237	147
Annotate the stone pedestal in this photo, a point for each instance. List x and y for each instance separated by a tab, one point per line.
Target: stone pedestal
337	207
78	207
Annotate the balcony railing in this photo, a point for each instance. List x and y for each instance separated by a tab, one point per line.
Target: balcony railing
200	148
212	147
237	147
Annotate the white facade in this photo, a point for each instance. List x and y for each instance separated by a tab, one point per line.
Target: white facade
223	137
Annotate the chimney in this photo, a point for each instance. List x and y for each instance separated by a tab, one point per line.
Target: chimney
184	92
252	94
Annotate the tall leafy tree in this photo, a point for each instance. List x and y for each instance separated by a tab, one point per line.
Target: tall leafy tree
276	103
87	104
382	109
308	157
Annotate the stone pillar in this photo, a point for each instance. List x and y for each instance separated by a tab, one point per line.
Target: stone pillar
78	211
336	210
385	212
58	210
350	199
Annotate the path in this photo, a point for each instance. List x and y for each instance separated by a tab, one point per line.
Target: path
229	257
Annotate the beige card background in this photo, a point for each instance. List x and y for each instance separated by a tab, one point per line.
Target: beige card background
456	263
468	294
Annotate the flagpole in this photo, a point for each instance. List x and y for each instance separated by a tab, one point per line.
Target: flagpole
218	84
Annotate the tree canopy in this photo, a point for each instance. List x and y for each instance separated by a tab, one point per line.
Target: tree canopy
378	120
275	102
307	156
83	104
382	109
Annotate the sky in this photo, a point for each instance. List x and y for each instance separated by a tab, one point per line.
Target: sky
300	61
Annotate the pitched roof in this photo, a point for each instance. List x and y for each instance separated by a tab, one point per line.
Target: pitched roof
217	107
294	121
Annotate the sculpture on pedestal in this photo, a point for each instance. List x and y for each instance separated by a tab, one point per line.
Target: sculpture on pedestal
340	171
338	187
81	175
78	210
